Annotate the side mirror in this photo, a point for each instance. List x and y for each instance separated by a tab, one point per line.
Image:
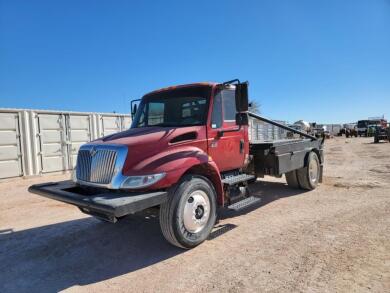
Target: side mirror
242	119
134	110
242	103
134	107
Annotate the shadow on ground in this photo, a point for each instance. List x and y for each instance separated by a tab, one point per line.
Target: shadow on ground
55	257
85	251
267	192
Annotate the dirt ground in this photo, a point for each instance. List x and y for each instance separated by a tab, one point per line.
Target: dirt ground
333	239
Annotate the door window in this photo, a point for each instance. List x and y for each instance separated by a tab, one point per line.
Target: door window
229	105
224	103
216	116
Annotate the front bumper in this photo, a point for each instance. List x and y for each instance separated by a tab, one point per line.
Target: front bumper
102	203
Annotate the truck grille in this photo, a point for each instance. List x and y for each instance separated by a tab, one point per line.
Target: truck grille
96	165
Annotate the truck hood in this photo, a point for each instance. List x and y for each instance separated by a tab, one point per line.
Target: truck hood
153	149
149	135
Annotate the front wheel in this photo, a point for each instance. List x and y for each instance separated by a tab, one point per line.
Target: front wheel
188	216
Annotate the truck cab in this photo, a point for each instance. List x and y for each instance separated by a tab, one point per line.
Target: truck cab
187	152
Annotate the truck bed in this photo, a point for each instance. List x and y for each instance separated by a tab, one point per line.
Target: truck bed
278	157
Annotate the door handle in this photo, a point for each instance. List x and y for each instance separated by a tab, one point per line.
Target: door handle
242	144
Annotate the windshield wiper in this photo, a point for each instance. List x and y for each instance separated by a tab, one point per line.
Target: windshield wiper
163	124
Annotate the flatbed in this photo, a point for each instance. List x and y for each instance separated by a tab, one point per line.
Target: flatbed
278	157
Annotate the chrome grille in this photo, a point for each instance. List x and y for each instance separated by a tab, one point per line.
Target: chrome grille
96	165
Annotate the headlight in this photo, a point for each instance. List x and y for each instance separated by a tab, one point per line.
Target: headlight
134	182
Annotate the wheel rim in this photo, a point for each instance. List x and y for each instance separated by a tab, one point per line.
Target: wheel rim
196	211
313	170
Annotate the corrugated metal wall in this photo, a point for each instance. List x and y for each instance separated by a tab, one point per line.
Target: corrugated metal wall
34	142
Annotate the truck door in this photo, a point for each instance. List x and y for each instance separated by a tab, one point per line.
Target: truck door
227	151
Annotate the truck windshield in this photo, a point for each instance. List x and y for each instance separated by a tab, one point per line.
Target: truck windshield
362	123
172	109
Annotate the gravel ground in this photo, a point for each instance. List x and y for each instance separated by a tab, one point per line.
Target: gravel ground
333	239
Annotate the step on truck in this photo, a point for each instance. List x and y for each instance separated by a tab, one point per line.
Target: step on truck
188	153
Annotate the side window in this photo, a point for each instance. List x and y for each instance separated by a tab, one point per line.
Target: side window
156	113
216	115
229	105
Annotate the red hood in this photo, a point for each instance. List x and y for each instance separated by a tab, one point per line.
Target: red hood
148	143
138	136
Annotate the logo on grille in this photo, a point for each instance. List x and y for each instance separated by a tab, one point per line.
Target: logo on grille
93	152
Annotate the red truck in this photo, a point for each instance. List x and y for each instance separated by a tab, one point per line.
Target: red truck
188	153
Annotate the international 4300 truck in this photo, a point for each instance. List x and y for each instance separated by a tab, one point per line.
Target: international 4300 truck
188	153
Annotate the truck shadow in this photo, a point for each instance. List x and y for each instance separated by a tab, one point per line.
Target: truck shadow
267	192
79	252
86	251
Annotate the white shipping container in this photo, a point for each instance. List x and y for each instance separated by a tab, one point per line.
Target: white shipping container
34	142
10	145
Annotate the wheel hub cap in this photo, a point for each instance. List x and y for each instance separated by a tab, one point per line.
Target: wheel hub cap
199	212
196	211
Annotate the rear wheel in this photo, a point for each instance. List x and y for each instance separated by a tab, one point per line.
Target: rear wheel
292	179
308	177
188	216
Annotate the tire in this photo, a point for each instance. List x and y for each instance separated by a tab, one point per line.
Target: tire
292	179
308	177
190	213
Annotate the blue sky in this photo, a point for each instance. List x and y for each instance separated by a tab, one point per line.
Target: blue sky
325	61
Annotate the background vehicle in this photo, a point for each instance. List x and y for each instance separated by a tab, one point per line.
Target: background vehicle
187	152
362	126
367	127
382	133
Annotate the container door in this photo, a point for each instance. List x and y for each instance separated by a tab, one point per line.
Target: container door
10	151
52	142
110	125
126	123
79	133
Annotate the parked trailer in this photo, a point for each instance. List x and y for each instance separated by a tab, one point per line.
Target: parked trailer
187	152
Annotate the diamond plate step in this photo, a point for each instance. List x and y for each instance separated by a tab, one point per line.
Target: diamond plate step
245	203
232	180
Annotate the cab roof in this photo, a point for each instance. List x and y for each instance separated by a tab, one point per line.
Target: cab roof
196	84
